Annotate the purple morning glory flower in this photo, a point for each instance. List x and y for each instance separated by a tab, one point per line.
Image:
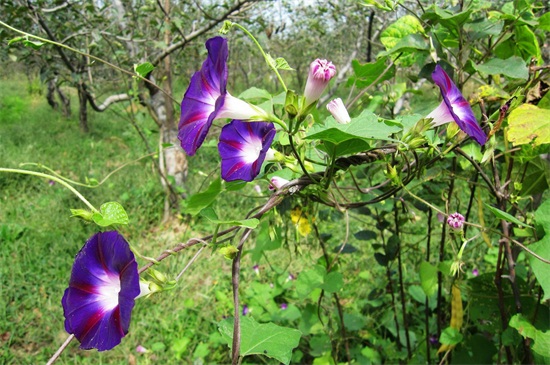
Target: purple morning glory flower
475	272
207	99
284	306
455	108
242	147
104	282
245	310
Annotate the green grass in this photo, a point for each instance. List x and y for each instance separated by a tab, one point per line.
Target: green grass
38	238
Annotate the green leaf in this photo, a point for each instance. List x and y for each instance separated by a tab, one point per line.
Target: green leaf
82	213
507	217
265	339
542	216
544	22
428	278
448	19
198	202
388	7
309	280
333	282
268	239
526	329
513	67
110	213
26	42
354	322
450	336
482	28
365	235
351	146
410	43
365	126
270	61
542	269
144	69
255	93
529	124
211	215
367	73
282	64
15	40
527	43
398	30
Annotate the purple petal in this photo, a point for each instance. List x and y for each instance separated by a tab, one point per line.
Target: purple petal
242	147
99	300
204	96
457	106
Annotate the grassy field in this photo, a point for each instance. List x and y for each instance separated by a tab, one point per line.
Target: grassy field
38	239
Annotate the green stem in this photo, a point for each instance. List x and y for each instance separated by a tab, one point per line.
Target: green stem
263	54
53	178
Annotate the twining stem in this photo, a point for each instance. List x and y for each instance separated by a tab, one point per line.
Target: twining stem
334	295
41	166
401	284
53	178
60	350
268	59
426	303
390	285
235	272
442	253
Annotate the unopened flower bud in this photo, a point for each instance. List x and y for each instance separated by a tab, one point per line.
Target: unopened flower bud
277	182
338	110
456	221
320	73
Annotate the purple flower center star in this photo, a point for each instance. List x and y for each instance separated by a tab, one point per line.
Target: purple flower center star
242	147
104	284
455	107
207	99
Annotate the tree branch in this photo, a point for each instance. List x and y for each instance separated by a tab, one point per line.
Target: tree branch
235	9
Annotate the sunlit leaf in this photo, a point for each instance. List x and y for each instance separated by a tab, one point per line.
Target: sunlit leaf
526	329
398	30
428	278
529	124
507	217
265	339
110	213
282	64
144	68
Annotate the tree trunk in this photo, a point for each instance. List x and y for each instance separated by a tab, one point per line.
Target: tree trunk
83	107
175	161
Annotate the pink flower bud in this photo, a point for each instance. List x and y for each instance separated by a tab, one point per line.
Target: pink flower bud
142	350
456	221
338	110
277	182
320	73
